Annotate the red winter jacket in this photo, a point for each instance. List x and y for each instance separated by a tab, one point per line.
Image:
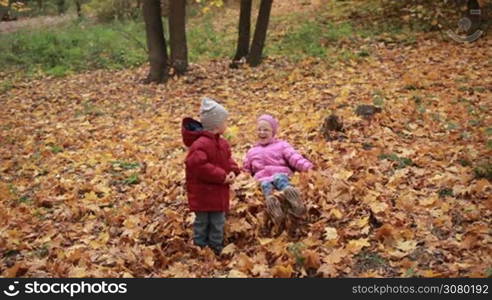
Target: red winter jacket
207	164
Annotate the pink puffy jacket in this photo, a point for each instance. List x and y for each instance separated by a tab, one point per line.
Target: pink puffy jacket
264	161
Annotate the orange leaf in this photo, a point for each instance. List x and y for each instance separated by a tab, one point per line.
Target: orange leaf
280	271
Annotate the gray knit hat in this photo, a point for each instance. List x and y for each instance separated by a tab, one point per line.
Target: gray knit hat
212	114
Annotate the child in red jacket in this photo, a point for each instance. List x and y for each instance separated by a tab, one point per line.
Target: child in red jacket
210	170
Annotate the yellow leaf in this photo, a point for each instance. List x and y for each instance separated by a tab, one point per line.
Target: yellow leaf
260	269
355	246
330	233
229	249
343	174
406	246
335	256
90	196
328	270
344	94
360	222
336	213
429	200
148	257
430	274
77	272
378	207
236	274
131	222
264	241
231	132
101	241
240	226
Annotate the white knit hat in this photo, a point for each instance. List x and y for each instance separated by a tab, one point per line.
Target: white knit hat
212	114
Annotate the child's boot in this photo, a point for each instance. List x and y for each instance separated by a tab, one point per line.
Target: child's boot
293	198
274	209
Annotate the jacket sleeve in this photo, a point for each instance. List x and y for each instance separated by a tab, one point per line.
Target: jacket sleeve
198	163
295	160
247	167
233	165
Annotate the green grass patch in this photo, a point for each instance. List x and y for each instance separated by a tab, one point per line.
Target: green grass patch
125	165
89	108
483	170
315	39
402	162
5	86
445	192
378	98
206	42
23	200
132	179
56	149
370	260
74	47
296	251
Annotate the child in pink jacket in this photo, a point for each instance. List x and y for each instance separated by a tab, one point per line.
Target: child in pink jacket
272	162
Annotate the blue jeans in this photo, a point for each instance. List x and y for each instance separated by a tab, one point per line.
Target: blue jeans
208	229
279	182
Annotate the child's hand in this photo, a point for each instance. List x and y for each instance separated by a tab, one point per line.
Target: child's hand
230	178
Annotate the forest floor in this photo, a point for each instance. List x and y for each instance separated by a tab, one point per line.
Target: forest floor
92	174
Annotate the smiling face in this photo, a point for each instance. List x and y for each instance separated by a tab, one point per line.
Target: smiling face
265	132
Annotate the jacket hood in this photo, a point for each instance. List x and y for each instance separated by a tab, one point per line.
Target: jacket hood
191	130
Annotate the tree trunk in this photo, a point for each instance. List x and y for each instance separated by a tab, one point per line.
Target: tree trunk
244	30
177	36
5	11
40	5
78	5
254	57
155	42
61	6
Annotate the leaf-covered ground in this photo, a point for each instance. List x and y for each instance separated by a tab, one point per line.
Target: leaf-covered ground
92	178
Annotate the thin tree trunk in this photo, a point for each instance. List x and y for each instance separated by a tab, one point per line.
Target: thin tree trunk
5	12
155	41
79	8
61	6
177	36
254	57
244	30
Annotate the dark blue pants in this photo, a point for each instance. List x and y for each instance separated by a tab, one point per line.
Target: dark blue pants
279	182
208	229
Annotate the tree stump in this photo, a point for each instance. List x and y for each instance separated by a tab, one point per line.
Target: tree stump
331	126
367	111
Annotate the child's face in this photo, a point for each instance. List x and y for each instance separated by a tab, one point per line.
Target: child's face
222	128
265	131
